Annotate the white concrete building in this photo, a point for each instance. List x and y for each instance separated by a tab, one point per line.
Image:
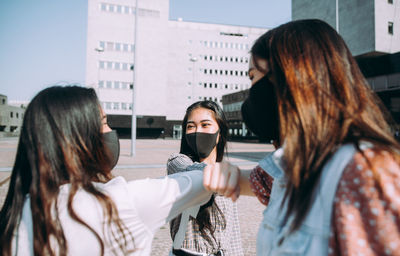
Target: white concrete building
177	62
369	27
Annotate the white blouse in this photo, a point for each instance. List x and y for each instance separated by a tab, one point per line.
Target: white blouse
143	205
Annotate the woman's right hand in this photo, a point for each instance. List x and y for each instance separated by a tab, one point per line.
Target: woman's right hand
222	178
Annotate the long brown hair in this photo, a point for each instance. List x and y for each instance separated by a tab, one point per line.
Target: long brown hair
60	142
323	101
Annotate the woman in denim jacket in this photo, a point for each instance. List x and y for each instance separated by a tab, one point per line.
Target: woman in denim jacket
333	185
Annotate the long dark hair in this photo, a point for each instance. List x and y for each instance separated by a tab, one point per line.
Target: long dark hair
60	142
209	209
323	101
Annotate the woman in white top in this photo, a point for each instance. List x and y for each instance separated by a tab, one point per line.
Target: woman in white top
62	198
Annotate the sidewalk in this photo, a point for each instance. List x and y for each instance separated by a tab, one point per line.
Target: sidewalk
149	162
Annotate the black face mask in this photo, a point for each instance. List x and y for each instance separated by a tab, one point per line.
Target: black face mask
202	143
112	142
260	110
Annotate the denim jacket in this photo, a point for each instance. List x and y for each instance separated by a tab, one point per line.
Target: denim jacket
312	238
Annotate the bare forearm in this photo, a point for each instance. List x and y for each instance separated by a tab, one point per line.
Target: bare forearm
244	183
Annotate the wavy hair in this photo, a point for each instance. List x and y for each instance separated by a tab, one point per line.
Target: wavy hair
210	209
323	102
60	142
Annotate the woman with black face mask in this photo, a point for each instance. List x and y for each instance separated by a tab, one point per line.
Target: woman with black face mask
212	229
111	140
333	185
62	197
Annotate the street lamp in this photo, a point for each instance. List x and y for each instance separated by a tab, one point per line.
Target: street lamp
337	16
193	60
99	49
135	72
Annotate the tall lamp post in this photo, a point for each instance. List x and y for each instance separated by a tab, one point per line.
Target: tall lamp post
133	125
193	60
337	16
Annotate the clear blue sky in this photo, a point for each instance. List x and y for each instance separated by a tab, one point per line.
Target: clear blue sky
43	42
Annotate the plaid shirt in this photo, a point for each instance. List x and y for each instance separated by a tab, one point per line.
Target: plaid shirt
228	239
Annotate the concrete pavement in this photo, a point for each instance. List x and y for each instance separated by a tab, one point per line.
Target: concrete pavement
149	162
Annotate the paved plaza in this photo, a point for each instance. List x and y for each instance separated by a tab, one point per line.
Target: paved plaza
150	162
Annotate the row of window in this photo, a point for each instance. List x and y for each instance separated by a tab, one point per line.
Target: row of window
225	72
117	8
224	86
215	99
115	85
238	97
16	115
115	65
226	59
222	45
235	132
129	86
128	106
233	107
115	46
125	9
111	65
116	105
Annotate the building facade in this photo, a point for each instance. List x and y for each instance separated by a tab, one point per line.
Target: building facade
383	75
10	116
369	27
176	63
232	105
